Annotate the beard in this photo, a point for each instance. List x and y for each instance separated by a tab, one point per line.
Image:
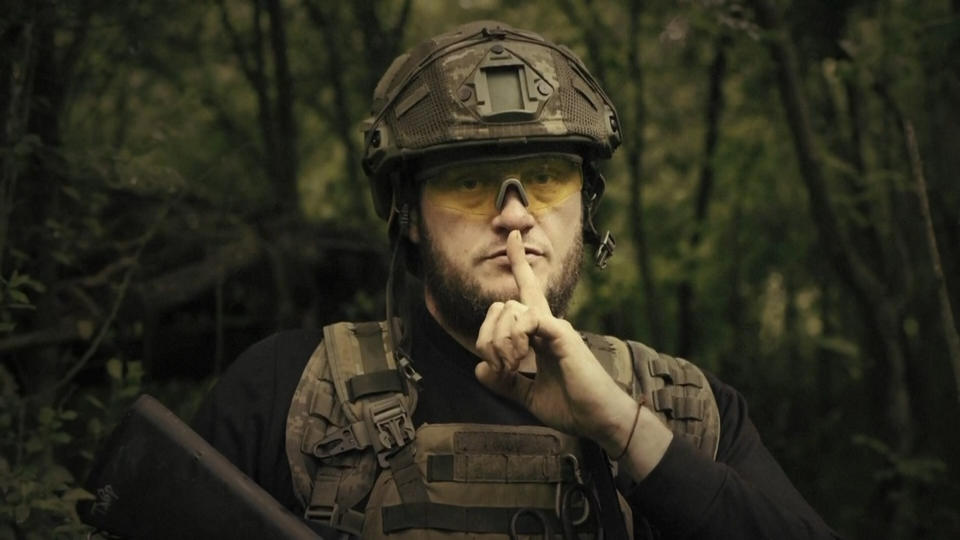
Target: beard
461	300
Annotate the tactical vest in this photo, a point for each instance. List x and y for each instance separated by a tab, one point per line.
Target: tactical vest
350	438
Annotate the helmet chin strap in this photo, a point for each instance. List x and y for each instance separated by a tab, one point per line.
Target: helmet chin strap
592	191
395	280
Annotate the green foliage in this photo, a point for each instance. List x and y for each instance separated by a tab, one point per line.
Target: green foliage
38	493
146	236
15	296
47	447
921	470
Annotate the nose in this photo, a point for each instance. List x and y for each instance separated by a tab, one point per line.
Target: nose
513	213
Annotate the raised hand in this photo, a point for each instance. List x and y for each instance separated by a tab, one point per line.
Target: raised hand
571	391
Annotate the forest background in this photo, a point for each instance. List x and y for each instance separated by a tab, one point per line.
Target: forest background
180	179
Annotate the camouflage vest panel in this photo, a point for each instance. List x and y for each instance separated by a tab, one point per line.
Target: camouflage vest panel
349	437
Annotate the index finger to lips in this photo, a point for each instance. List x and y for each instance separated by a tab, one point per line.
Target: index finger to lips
527	282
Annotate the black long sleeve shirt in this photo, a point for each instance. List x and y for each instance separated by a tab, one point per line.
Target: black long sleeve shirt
743	495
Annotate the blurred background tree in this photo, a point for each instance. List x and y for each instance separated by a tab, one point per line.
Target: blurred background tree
180	179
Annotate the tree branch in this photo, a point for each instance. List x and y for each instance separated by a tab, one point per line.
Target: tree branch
238	46
117	302
340	114
65	330
184	284
396	33
946	311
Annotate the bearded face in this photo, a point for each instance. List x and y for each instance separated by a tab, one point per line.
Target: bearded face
465	270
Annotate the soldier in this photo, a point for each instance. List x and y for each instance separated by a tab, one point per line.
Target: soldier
481	412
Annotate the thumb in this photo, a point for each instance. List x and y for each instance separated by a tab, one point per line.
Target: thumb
509	384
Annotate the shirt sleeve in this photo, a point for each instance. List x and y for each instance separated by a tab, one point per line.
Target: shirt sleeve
244	416
743	494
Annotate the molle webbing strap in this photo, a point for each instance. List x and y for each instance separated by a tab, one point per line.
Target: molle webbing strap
679	393
500	468
678	407
676	390
332	501
667	368
406	475
505	442
465	519
386	380
370	339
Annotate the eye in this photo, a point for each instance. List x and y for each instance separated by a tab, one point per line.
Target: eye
467	184
541	176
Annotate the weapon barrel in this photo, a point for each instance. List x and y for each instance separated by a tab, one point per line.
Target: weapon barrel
157	478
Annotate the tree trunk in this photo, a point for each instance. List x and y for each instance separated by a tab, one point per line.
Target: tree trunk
634	147
687	324
943	295
17	85
40	189
881	306
286	158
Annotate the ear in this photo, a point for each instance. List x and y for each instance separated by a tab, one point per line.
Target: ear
413	231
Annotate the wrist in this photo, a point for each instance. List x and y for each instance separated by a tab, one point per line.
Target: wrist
647	447
616	435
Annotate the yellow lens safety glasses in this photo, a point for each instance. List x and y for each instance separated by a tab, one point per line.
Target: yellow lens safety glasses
479	187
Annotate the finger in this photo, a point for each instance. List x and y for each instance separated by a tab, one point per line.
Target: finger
522	331
550	334
508	384
530	292
507	342
484	342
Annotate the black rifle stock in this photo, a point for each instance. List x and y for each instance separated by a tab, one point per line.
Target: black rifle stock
156	478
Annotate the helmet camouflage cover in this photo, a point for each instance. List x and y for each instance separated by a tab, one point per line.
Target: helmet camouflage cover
483	87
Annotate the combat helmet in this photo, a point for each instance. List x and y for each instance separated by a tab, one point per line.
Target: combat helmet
487	87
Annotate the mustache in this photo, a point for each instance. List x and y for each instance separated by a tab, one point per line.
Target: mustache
496	249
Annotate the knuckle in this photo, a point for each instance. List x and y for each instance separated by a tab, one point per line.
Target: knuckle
507	350
514	304
494	307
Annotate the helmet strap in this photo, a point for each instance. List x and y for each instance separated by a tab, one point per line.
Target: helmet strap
594	183
399	226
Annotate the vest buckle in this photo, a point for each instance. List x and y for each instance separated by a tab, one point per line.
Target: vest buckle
393	427
340	441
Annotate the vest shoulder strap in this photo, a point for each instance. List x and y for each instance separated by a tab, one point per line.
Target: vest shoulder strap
675	389
351	396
